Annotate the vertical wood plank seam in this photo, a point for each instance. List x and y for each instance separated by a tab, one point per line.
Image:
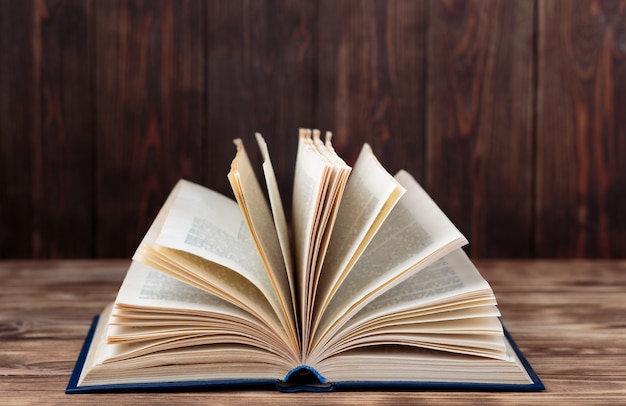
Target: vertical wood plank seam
315	32
95	207
534	143
204	122
35	136
427	89
425	76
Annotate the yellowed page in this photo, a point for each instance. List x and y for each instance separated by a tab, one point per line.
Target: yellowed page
280	221
191	357
311	179
370	194
412	364
99	350
415	234
258	217
201	237
153	305
211	226
448	291
473	339
448	281
213	278
338	177
340	173
144	287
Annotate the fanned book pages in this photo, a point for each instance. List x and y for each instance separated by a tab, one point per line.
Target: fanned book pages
366	287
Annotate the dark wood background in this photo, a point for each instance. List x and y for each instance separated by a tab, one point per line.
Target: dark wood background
512	114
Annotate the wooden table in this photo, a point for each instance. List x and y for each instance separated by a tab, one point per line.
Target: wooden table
568	317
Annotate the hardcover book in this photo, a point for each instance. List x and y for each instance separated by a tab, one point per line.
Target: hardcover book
367	287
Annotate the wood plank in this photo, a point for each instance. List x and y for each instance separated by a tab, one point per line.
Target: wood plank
19	126
150	106
479	115
29	389
259	80
166	87
578	351
46	125
370	84
581	170
63	198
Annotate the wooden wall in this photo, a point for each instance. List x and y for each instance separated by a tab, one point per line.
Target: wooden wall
512	114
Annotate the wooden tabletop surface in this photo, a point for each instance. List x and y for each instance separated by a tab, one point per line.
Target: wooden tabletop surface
568	317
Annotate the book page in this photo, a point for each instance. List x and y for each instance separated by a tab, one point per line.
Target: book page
370	194
144	286
190	356
446	281
152	305
338	178
258	217
208	240
99	351
211	226
411	364
444	295
214	279
415	234
280	220
310	187
339	174
478	337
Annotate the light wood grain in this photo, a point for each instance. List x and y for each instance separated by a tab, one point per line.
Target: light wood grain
567	316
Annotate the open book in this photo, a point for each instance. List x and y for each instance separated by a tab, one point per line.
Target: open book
367	287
